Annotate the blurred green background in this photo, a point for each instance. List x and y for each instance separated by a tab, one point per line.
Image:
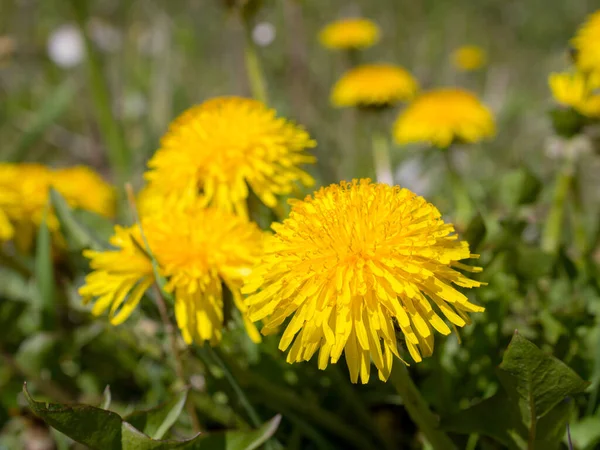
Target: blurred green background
157	58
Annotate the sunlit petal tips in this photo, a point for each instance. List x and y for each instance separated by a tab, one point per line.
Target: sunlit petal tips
442	116
374	85
352	33
578	91
220	149
353	266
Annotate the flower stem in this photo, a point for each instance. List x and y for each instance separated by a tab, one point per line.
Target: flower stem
551	235
418	410
179	371
462	200
254	71
381	158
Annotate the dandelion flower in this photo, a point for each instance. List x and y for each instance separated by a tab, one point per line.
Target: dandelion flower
442	116
348	34
374	85
218	150
84	189
577	90
198	250
469	58
586	44
351	265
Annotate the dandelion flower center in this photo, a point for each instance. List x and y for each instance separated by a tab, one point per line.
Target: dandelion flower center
352	263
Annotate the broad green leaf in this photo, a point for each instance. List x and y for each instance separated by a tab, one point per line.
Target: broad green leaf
519	187
497	417
54	106
157	421
88	425
100	429
78	236
44	275
541	380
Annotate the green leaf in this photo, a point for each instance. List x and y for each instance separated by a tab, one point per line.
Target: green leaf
519	187
541	380
44	275
54	106
497	417
79	237
157	421
475	232
100	429
552	428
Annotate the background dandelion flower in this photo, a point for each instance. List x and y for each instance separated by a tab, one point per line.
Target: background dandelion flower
578	91
586	44
346	34
374	85
349	264
198	250
442	116
218	149
469	58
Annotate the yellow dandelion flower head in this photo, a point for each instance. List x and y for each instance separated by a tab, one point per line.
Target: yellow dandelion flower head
353	263
24	190
197	249
442	116
469	58
578	91
586	44
374	85
352	33
120	277
218	149
84	189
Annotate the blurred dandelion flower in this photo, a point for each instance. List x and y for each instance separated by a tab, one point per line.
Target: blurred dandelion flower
374	85
219	149
24	190
197	249
84	189
469	58
353	264
586	44
347	34
65	46
442	116
577	90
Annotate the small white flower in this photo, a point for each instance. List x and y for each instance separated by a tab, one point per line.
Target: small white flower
65	46
263	34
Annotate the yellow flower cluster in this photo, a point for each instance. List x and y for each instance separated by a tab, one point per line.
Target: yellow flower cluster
24	190
469	58
351	264
194	214
580	88
374	85
443	116
578	91
348	34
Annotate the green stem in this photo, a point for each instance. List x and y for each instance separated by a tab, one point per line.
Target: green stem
256	77
112	134
462	200
279	397
578	219
551	235
418	410
381	158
